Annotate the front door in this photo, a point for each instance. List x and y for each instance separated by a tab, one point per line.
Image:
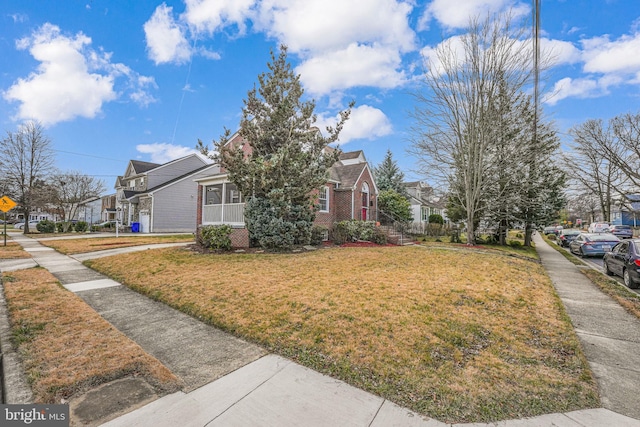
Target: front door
365	201
144	222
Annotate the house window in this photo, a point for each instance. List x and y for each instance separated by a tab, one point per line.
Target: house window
323	199
141	182
132	183
425	214
213	194
232	195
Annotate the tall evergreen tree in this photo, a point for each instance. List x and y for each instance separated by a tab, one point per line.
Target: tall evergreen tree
287	159
389	176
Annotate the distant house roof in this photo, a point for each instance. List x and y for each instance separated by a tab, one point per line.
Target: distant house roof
142	167
348	169
176	179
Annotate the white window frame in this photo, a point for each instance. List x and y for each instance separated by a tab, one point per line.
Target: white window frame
324	190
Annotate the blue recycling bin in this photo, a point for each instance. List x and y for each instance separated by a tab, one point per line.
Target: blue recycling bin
135	227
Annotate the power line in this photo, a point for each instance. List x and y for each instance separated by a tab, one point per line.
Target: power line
89	155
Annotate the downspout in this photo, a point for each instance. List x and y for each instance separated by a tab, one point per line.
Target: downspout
151	214
353	203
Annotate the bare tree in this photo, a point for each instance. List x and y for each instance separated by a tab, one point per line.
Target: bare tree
592	170
454	129
69	189
26	157
624	152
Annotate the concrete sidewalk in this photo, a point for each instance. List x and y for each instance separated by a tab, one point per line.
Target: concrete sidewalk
609	335
231	382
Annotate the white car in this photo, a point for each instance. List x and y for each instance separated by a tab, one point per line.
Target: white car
598	227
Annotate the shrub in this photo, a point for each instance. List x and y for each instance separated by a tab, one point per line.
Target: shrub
216	237
60	226
318	233
352	230
395	205
81	226
46	226
515	243
436	219
275	223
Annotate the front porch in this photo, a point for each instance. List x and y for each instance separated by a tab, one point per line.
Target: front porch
216	214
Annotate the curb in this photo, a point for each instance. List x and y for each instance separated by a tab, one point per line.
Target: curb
15	388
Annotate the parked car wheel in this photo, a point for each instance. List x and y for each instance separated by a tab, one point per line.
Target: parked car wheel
627	280
607	270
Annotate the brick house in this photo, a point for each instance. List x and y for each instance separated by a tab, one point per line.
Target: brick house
350	193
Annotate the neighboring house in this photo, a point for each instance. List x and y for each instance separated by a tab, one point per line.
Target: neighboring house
629	214
423	203
108	208
350	193
90	210
38	214
158	198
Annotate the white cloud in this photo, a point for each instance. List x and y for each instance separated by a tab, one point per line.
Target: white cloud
356	65
212	15
560	52
456	14
341	44
72	80
602	55
576	88
19	17
166	41
63	87
365	122
607	64
163	152
323	25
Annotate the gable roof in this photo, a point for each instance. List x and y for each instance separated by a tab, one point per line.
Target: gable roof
348	170
142	167
132	194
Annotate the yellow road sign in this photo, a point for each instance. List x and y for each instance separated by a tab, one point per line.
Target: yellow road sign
6	204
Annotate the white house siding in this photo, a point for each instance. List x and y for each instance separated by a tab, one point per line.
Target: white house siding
172	170
416	211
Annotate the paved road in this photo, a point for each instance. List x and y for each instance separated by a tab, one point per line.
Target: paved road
597	263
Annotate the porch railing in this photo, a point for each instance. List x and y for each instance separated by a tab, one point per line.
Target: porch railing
232	213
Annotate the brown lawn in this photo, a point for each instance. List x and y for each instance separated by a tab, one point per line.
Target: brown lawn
12	251
65	345
83	245
458	335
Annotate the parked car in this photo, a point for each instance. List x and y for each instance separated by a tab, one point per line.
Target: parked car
20	225
624	261
598	227
591	244
567	236
555	229
622	231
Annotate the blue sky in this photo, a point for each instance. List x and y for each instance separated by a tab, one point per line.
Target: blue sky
120	80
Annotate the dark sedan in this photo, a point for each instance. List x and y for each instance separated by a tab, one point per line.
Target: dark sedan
622	231
567	236
593	244
624	261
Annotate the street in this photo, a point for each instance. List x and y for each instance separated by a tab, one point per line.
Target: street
597	262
